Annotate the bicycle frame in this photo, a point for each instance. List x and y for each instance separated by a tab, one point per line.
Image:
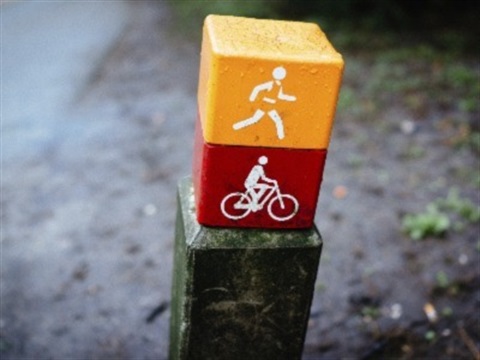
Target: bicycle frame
273	189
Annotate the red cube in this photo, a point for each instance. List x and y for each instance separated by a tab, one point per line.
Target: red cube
255	187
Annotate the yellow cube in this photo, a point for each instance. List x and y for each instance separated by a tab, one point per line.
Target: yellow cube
267	83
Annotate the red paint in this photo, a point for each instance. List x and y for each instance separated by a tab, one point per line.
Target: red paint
222	170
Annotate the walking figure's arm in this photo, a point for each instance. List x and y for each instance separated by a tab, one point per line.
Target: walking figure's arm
265	86
286	97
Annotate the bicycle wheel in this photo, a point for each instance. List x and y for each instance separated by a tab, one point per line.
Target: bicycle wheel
288	211
236	206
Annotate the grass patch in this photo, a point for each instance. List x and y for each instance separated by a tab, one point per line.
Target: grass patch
370	312
418	78
468	211
442	280
440	216
422	78
432	222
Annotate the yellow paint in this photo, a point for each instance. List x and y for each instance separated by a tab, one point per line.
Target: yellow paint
238	54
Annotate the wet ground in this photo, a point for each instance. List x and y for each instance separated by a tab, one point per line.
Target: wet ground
96	132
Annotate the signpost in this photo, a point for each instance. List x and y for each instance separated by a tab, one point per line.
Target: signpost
247	251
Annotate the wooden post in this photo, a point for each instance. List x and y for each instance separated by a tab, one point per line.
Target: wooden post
246	248
240	293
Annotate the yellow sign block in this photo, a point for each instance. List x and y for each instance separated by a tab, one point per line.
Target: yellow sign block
267	83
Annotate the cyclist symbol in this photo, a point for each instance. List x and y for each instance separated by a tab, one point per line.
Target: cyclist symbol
260	190
275	85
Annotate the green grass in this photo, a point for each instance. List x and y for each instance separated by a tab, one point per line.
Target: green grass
450	213
422	80
442	280
468	211
432	222
430	336
371	312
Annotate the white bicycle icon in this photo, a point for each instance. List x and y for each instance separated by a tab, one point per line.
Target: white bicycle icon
280	207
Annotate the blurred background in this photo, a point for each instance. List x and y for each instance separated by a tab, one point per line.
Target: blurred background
98	107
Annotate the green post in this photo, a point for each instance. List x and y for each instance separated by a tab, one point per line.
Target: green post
239	293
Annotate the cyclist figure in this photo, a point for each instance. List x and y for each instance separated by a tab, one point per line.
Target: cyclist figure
253	185
260	191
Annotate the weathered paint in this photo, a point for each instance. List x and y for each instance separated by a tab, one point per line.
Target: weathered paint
239	294
240	55
219	171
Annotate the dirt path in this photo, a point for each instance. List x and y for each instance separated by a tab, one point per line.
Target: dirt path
88	223
87	196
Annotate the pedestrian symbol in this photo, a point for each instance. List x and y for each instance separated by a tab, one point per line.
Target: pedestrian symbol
272	88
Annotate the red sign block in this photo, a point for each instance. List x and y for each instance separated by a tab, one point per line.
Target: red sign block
256	187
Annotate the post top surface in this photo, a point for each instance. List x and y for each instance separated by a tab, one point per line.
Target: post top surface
269	39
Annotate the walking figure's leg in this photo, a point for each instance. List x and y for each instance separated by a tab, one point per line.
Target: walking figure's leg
278	123
247	122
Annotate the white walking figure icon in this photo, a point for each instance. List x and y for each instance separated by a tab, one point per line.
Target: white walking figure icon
259	190
275	85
